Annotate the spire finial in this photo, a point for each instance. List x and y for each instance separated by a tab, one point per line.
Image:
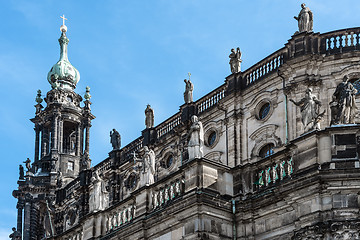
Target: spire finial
63	27
189	74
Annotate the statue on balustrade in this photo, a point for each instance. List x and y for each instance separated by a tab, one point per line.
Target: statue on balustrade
310	111
188	94
235	60
15	235
149	117
305	19
115	139
343	105
99	196
196	139
148	167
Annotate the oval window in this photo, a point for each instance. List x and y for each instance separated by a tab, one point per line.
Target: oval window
264	110
169	160
212	138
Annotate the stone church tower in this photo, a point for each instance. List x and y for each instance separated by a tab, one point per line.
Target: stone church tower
61	146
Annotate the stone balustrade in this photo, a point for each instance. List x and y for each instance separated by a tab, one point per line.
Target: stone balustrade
168	125
120	216
211	99
165	193
274	172
340	41
264	67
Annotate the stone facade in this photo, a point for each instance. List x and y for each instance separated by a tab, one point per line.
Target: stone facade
262	176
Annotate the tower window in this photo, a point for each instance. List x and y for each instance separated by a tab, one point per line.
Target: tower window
266	150
70	166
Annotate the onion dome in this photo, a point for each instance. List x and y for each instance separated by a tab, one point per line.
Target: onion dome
63	75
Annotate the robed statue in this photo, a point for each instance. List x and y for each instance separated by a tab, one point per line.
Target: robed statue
196	139
310	110
148	166
188	94
305	19
149	117
344	105
115	139
99	196
235	60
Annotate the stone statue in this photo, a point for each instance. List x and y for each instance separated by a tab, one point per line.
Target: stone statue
59	180
48	219
196	139
115	139
235	60
15	235
189	87
149	117
148	166
310	106
305	19
21	172
27	164
99	196
344	102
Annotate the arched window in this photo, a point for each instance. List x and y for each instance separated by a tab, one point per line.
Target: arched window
266	150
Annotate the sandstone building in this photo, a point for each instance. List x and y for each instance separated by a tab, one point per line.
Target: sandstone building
279	159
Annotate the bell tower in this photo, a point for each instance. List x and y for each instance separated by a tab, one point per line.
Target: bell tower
62	131
62	128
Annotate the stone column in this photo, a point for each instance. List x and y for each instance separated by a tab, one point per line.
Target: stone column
27	213
19	207
61	135
87	138
81	139
37	142
43	148
54	133
78	139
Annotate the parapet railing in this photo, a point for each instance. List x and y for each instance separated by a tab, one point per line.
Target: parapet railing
132	147
338	41
70	188
168	125
264	67
210	99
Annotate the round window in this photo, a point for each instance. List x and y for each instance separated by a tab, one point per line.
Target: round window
169	161
264	110
212	138
266	150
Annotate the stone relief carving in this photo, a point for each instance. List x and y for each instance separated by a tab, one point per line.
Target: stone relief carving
343	105
99	196
305	19
196	139
310	110
115	139
149	117
235	60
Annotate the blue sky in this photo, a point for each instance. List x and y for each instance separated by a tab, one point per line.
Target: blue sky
132	53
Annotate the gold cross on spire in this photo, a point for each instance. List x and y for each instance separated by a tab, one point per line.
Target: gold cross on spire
63	18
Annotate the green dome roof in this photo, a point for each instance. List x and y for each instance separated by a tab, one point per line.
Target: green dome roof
63	74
